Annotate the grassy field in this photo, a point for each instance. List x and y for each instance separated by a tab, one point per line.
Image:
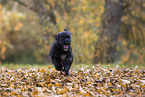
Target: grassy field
76	66
84	80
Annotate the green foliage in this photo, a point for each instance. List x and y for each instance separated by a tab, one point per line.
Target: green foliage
132	38
9	23
84	26
17	40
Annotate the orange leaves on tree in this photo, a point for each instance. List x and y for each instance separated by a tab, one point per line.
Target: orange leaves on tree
2	51
0	5
18	26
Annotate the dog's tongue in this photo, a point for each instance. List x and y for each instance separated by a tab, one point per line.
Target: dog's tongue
66	46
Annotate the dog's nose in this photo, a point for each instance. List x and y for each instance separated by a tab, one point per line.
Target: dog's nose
67	42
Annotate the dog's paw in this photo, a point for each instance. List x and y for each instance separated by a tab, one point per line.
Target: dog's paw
61	73
67	73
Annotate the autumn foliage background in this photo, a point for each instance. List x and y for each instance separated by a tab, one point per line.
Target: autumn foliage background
27	30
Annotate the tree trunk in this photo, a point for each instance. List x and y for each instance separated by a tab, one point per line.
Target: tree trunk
43	13
105	50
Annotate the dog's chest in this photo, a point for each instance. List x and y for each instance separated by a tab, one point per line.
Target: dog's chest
63	57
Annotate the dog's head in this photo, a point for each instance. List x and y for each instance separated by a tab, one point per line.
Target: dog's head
64	39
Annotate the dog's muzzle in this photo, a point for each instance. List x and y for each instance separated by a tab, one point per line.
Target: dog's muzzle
66	45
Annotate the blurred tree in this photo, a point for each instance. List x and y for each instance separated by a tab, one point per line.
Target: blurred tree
105	50
83	31
129	44
46	14
132	39
26	35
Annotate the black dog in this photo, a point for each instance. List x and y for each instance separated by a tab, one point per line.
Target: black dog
61	52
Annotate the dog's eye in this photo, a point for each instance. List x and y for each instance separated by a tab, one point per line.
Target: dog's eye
68	36
62	38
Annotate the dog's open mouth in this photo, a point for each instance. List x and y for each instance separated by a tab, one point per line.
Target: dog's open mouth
65	47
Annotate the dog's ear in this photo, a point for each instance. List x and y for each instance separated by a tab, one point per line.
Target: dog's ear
68	31
57	36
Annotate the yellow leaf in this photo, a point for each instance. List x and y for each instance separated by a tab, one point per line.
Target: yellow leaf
57	84
35	92
73	89
53	69
110	83
61	92
124	86
75	80
12	85
99	90
143	86
80	77
13	93
49	85
118	71
118	90
18	95
83	84
66	89
136	71
49	66
103	87
81	93
42	69
99	85
96	75
78	82
5	94
0	6
23	89
86	74
87	94
89	82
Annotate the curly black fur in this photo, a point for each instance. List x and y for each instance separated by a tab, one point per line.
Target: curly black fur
61	52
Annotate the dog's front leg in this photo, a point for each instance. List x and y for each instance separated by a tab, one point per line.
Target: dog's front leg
57	63
67	64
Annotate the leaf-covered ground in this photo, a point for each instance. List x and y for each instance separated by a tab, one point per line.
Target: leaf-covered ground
96	81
